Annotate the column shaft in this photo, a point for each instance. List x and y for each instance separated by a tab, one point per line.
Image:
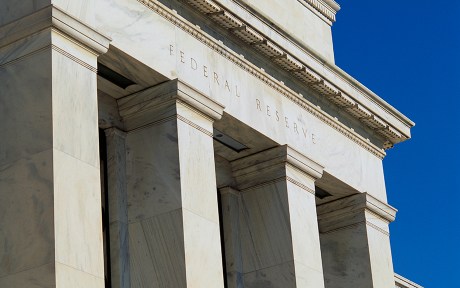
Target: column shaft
230	209
117	208
172	195
278	227
355	242
50	205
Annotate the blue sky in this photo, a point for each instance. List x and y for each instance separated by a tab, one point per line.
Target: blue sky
408	53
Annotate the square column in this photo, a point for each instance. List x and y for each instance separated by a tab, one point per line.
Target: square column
173	216
231	226
277	222
117	208
50	197
355	242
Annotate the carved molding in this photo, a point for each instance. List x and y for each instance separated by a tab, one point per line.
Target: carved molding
74	58
55	48
297	68
402	282
320	86
327	8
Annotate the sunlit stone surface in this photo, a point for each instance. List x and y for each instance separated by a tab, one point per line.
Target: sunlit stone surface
180	143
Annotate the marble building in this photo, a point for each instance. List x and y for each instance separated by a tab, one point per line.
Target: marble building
189	143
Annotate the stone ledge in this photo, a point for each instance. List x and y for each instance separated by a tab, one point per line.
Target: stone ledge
281	162
327	8
250	68
160	102
350	206
393	131
402	282
170	91
53	17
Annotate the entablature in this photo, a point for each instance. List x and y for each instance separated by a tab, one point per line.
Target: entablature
257	104
328	80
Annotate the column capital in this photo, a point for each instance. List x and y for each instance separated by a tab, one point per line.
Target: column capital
276	163
166	100
353	209
51	17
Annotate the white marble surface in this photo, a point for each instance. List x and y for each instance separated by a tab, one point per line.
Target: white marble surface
230	210
304	228
244	96
380	258
51	125
161	193
118	207
77	210
26	165
203	255
12	10
157	251
297	21
355	243
39	277
277	230
172	194
71	277
346	260
26	214
36	135
76	106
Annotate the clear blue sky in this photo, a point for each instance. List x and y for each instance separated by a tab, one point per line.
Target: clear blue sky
408	53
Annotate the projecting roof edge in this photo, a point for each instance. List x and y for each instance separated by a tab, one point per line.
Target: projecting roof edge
327	8
321	85
406	282
314	70
333	4
318	62
384	104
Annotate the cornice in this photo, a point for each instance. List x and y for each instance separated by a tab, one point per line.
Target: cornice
391	134
327	8
287	61
405	283
260	74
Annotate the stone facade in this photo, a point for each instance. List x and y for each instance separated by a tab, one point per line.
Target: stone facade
217	138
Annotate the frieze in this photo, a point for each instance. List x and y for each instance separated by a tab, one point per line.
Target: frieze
247	66
222	82
285	60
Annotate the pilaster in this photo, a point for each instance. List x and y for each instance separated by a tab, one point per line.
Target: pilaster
50	223
172	194
231	226
117	207
355	242
278	228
